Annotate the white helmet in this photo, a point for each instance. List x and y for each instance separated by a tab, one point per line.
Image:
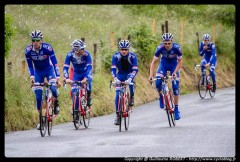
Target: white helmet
78	44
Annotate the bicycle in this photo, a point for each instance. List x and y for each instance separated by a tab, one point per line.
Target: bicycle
83	111
205	83
124	108
168	99
46	114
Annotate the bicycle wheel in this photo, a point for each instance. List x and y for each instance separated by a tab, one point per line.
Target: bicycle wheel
43	120
76	114
212	94
86	117
127	112
166	98
202	89
120	111
50	119
172	105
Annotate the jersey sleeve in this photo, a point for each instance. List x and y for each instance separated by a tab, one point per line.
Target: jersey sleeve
114	66
89	65
214	54
134	66
201	51
66	65
29	62
54	61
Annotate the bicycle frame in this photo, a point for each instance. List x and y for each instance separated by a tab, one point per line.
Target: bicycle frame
46	115
207	83
168	99
83	110
123	103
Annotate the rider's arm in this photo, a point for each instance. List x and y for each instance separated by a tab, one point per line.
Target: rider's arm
152	66
201	50
179	58
114	66
134	67
66	66
54	62
214	54
89	65
29	62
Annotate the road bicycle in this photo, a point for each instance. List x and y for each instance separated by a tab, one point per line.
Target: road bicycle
46	114
82	113
124	108
205	83
168	99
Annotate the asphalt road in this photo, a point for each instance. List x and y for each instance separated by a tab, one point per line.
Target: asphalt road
206	129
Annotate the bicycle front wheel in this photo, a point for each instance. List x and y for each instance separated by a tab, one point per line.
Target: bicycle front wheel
167	108
127	113
120	112
172	105
212	94
43	120
76	114
202	88
50	119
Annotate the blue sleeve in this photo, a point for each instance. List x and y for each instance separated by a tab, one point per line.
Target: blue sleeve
66	66
114	66
89	65
201	51
54	62
29	62
134	67
158	50
214	54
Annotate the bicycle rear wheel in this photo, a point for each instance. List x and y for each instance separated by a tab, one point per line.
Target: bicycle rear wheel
120	112
50	119
127	113
212	94
202	89
86	117
43	120
76	114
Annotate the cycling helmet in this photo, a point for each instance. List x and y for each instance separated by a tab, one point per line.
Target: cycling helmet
78	44
36	34
206	36
124	44
167	36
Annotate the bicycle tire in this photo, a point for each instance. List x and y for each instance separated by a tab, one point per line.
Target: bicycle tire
127	112
173	107
50	119
212	94
42	118
167	109
76	114
120	112
202	89
86	117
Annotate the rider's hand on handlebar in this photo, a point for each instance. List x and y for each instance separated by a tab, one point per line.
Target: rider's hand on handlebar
84	81
58	83
174	75
116	80
128	80
69	81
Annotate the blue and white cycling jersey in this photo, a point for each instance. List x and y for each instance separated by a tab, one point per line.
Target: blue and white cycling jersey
82	65
125	64
172	55
209	54
42	59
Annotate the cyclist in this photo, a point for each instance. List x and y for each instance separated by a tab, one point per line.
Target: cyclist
171	60
42	56
82	68
207	49
127	64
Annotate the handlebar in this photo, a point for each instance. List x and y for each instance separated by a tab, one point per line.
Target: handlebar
120	83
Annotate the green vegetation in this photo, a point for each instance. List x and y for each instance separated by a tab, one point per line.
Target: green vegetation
61	24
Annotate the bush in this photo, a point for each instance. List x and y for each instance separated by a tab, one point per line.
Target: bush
8	33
